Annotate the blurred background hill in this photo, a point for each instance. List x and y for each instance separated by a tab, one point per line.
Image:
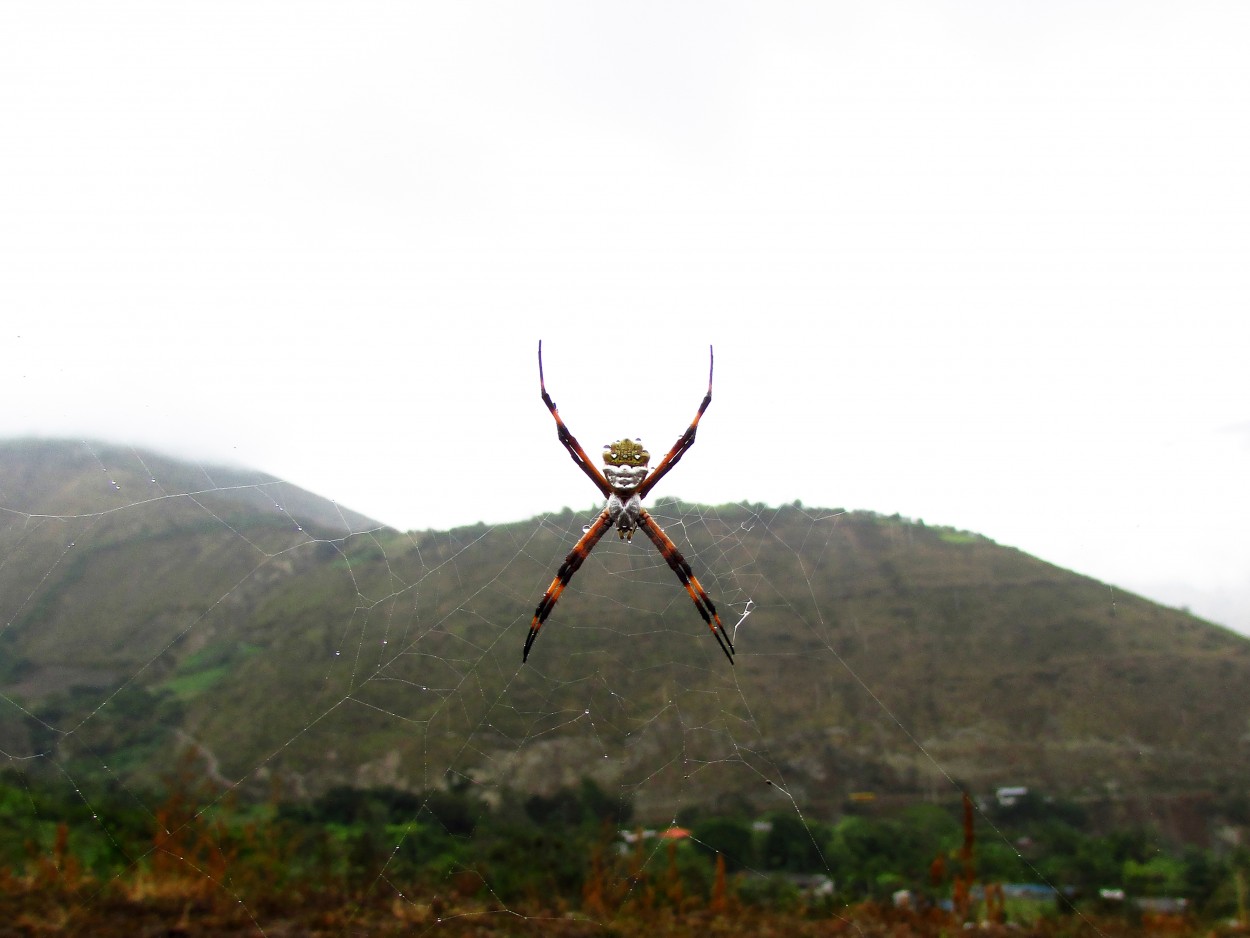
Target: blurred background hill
294	642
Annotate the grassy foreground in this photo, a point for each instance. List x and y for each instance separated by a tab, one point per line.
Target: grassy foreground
161	909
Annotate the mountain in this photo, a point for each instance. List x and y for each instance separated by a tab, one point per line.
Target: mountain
147	605
106	549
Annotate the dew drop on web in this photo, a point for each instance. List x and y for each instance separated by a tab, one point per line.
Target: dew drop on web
585	528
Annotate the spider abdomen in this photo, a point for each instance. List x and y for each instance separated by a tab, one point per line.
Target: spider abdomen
624	513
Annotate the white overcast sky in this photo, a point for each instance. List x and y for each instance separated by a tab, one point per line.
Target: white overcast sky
981	263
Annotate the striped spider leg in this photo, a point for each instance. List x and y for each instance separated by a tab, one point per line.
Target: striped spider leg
624	482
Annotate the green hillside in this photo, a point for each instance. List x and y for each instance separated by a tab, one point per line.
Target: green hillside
299	645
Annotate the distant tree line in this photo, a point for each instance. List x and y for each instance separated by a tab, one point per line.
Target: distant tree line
571	847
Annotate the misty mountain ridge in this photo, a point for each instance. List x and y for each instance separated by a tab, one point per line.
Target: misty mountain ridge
148	604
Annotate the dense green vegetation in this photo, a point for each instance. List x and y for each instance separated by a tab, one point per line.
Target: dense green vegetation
448	850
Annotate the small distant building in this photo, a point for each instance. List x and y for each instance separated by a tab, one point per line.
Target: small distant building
1010	795
632	837
671	833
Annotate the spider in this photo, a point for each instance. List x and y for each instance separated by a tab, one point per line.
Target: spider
625	482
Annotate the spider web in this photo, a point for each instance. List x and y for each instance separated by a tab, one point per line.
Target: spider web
254	644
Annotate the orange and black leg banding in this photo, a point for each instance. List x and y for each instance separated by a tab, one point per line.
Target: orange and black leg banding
685	441
567	440
572	563
698	594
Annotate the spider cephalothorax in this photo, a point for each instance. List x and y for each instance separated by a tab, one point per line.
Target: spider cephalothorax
625	482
